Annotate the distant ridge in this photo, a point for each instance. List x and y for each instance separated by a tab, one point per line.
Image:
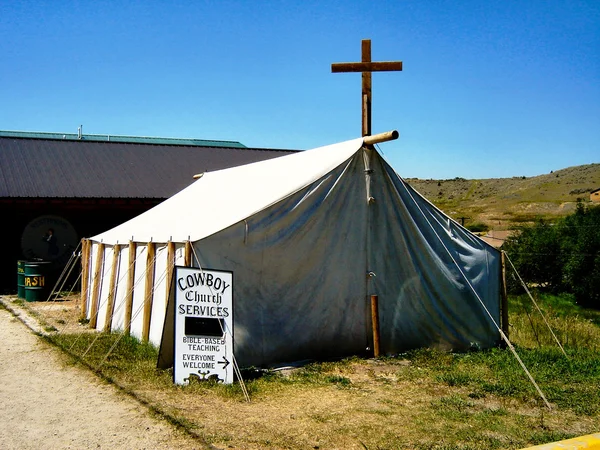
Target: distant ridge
502	203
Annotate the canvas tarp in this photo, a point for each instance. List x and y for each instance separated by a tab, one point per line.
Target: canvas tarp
309	238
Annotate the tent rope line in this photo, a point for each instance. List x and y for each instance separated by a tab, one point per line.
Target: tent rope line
71	263
100	305
140	308
502	334
134	316
141	276
55	300
533	327
82	356
536	305
55	289
122	303
95	315
236	367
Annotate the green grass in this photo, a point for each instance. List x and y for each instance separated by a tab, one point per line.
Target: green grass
421	399
570	382
561	317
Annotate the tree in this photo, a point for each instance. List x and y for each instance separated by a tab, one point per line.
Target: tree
581	254
535	252
561	256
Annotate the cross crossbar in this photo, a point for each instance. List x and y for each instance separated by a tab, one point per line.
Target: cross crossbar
381	66
366	66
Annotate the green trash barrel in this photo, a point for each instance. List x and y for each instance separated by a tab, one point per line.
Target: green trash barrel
21	279
37	281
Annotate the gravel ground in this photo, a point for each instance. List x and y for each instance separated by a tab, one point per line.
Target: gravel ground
47	404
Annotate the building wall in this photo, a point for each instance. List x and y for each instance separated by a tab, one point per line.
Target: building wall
86	217
595	196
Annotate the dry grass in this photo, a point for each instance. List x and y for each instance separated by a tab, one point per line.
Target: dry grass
421	400
502	203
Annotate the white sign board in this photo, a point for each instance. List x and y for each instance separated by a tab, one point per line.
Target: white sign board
203	325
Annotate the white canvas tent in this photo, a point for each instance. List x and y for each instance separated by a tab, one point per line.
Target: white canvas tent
309	238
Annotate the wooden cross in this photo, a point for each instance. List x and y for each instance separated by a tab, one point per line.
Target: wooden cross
366	66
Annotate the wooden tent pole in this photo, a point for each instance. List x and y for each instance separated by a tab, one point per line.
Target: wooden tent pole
85	276
170	267
150	265
112	290
187	258
375	321
96	287
130	286
503	295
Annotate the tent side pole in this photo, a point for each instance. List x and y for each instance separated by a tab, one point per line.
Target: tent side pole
96	288
130	287
188	254
375	321
503	295
110	306
150	265
374	306
85	276
170	268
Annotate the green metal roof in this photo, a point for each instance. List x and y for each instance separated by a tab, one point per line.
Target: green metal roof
124	139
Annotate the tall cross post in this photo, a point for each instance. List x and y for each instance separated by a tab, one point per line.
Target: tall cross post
366	66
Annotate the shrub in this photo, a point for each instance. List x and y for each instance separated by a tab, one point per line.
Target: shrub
562	256
477	227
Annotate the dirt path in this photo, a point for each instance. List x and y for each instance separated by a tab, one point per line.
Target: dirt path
46	404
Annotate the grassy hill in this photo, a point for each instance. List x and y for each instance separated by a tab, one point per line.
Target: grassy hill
502	203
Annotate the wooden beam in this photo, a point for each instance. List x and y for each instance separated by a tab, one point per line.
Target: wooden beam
148	298
366	88
381	137
130	287
503	296
112	290
187	258
170	267
85	277
375	322
366	67
97	285
381	66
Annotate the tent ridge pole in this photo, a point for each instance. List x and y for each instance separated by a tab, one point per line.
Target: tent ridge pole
381	137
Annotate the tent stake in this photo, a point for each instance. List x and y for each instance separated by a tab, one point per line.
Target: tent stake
375	321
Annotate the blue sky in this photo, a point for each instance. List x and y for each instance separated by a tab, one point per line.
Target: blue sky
488	89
